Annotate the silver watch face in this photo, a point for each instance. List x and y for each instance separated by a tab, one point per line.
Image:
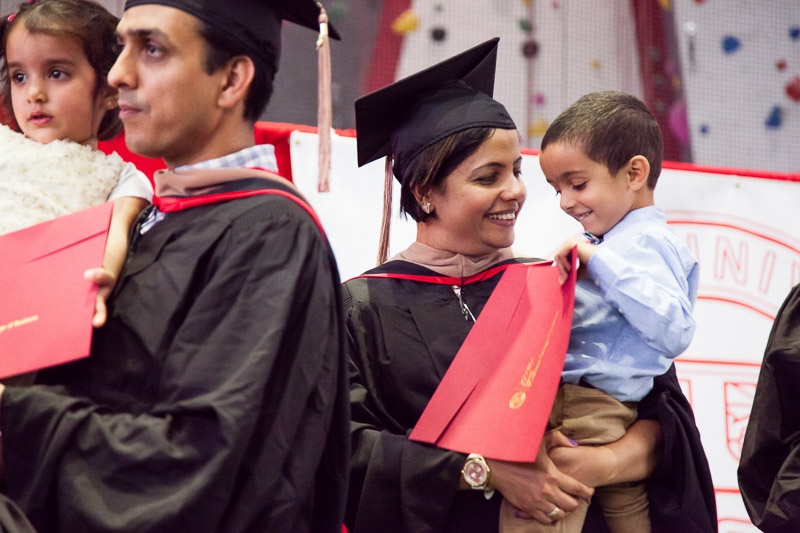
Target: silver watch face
475	473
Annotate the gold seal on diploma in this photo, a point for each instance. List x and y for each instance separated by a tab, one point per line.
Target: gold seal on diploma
517	400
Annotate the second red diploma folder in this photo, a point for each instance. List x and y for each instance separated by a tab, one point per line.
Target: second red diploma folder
46	306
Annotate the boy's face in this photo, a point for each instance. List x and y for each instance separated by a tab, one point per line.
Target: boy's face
168	102
589	193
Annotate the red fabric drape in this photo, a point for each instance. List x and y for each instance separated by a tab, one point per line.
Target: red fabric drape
652	36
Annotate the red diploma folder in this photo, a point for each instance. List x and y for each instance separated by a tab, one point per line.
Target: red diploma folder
496	396
46	306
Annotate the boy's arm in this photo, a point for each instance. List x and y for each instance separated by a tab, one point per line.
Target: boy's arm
125	211
648	284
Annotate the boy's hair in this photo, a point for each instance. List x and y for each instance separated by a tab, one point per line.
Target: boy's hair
429	169
84	20
221	48
611	127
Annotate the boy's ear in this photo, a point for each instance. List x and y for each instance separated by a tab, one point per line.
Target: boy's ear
239	73
638	170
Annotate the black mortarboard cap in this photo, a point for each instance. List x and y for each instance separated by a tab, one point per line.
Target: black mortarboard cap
256	23
404	118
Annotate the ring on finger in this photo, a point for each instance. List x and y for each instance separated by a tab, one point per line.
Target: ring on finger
554	513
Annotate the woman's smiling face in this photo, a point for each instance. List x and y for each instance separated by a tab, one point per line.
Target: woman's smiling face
477	205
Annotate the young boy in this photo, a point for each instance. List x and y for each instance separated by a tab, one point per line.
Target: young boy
637	283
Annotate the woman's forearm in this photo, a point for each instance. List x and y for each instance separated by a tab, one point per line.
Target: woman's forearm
636	453
634	457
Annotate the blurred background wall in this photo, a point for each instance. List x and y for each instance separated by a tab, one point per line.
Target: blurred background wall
722	76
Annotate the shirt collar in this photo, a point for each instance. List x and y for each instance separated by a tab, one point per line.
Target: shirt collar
256	156
593	239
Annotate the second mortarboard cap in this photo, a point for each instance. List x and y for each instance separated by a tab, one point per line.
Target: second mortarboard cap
404	118
256	23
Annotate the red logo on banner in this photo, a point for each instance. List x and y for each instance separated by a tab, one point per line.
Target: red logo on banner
738	401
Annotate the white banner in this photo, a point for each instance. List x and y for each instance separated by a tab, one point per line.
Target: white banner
738	227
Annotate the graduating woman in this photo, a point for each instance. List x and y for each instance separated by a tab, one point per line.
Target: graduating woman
456	153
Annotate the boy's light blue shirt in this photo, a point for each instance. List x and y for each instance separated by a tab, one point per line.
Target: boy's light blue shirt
633	314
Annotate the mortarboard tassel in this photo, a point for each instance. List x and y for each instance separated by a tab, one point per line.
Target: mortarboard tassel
383	246
324	105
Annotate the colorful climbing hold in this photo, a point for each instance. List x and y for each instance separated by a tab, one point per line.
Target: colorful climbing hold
405	22
775	118
538	128
530	48
730	44
793	89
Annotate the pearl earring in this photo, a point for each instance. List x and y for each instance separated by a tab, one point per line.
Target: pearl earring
427	208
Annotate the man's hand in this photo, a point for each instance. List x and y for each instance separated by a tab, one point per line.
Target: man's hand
105	281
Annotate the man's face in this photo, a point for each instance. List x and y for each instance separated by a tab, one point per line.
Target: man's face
168	102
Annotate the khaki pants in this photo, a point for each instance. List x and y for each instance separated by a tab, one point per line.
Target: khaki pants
591	417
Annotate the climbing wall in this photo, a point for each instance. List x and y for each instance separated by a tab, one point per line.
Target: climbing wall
551	52
741	69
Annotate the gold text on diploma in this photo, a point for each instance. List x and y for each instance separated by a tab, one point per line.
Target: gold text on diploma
532	369
18	323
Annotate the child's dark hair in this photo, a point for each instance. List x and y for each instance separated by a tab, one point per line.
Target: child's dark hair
430	168
611	127
84	20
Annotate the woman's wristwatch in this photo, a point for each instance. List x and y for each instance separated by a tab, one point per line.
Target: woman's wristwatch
476	473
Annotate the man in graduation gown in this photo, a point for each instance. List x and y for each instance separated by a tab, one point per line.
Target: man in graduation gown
769	470
214	396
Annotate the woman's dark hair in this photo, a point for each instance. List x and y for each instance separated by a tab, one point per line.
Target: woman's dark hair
430	168
221	48
83	20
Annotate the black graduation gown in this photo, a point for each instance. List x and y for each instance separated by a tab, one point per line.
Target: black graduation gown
214	398
402	335
769	469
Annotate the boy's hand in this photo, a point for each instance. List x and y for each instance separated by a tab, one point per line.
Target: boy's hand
563	257
105	281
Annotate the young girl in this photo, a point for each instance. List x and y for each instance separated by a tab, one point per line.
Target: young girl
54	58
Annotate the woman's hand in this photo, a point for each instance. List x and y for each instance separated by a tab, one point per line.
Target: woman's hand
536	488
631	458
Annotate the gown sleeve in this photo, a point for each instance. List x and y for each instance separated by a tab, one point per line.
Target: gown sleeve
680	491
396	484
241	421
769	469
